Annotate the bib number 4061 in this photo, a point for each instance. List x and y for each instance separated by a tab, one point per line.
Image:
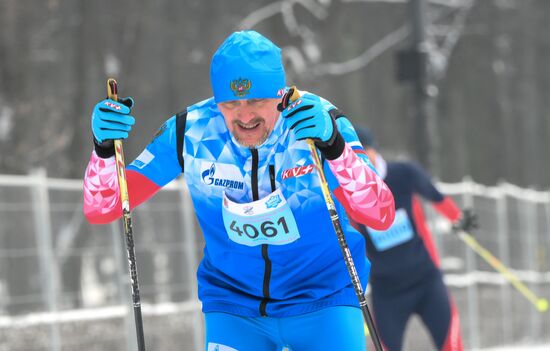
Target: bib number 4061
266	228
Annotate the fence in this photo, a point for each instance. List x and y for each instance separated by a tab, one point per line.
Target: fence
514	226
64	284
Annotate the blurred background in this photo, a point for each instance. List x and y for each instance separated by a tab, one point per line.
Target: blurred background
460	86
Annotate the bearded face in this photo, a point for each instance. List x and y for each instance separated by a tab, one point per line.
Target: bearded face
250	120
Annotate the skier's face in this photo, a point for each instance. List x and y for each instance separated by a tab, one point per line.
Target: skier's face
251	120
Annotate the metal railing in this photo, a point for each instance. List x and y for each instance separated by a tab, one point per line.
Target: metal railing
64	283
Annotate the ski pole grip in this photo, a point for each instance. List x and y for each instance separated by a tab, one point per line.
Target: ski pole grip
291	95
112	89
112	93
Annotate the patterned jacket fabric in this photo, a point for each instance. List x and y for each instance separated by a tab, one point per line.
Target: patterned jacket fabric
284	259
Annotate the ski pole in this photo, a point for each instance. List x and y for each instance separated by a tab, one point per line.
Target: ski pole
348	259
540	303
112	93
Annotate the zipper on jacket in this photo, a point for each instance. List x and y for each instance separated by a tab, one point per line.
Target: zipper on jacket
272	176
267	278
265	255
254	175
267	271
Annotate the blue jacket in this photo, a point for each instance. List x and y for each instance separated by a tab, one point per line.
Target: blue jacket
301	276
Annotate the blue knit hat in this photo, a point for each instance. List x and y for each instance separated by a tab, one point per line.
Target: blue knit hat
247	66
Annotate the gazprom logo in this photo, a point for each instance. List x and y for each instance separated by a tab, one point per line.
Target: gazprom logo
209	178
208	175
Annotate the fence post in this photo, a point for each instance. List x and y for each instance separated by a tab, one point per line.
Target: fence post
504	253
529	222
49	272
189	247
473	302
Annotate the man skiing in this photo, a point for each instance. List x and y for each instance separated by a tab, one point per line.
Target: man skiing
405	277
272	275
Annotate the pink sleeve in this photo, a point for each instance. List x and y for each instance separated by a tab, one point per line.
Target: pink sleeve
364	195
449	209
101	192
423	230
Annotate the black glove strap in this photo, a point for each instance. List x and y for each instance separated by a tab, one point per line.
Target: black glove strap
105	149
335	148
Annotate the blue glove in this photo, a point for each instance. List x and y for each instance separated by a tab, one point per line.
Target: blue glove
111	120
309	119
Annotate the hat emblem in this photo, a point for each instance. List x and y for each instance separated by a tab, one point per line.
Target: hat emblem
241	87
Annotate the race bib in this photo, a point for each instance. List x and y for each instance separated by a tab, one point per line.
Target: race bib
265	221
400	232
